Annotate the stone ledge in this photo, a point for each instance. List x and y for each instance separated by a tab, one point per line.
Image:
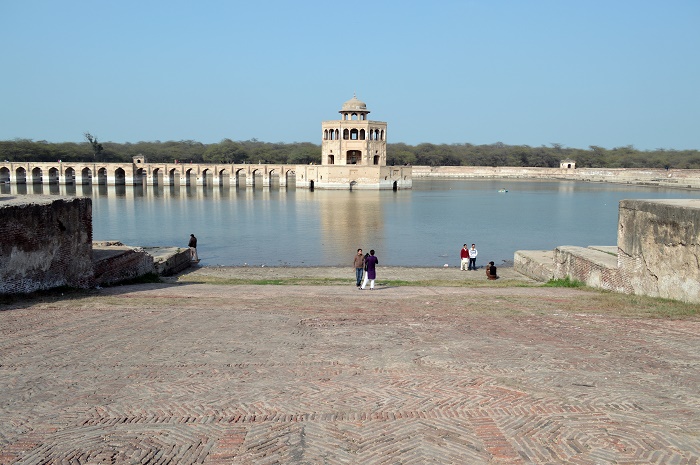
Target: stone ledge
595	268
535	264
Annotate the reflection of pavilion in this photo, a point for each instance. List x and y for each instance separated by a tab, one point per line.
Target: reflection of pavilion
349	221
353	155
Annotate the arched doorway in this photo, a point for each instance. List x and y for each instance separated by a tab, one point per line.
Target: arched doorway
86	175
354	157
20	176
119	177
102	177
36	176
69	176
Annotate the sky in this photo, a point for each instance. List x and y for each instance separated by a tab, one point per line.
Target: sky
608	73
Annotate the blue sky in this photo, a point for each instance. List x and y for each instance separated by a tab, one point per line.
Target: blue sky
577	73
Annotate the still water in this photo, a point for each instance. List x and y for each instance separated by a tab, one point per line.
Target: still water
425	226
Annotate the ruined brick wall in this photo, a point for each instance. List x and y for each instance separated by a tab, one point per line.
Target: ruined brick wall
45	242
591	267
123	264
659	247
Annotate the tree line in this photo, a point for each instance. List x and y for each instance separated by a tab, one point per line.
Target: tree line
254	151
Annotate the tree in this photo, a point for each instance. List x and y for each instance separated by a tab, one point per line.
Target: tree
96	146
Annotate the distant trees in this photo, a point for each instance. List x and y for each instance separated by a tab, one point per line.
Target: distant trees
254	151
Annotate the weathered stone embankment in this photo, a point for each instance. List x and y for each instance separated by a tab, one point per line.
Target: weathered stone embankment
680	179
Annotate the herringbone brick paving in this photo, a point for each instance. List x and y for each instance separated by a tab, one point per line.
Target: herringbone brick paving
158	374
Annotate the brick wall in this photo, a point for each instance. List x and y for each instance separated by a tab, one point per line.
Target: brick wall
45	242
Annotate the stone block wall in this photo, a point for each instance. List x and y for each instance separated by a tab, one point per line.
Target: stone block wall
592	267
121	263
659	247
46	242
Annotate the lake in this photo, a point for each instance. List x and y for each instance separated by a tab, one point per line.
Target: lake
425	226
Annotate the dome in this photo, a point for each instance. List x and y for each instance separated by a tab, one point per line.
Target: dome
355	105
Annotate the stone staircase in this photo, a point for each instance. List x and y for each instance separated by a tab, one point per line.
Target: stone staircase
596	266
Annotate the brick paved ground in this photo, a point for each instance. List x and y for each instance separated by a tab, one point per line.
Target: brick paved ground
210	374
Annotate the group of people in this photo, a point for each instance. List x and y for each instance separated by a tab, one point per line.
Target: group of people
468	261
468	258
365	265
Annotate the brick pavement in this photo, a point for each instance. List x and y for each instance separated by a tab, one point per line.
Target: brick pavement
302	374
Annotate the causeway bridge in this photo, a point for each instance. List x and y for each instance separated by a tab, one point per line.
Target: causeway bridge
152	174
141	173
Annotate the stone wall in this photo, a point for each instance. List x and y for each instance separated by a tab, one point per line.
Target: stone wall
46	243
687	179
657	253
659	248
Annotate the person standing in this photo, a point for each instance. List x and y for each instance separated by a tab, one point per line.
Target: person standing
464	256
193	248
359	265
472	257
371	263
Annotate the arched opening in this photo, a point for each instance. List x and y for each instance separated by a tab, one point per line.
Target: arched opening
119	177
354	117
188	177
291	179
395	186
257	179
157	176
139	177
53	175
325	134
354	157
274	178
311	185
102	177
224	178
20	176
4	175
207	177
337	134
174	177
36	176
331	159
362	134
346	134
240	178
86	176
69	176
354	134
376	159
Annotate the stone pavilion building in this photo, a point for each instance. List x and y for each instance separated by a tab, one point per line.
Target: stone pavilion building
353	154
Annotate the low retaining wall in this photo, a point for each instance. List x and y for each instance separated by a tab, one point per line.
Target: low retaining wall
46	243
657	253
685	179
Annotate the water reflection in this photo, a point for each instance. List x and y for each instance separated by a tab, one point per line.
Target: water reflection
348	221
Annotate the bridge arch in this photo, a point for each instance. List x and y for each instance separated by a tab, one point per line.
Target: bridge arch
224	177
36	175
21	175
174	177
86	176
102	176
69	175
119	177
